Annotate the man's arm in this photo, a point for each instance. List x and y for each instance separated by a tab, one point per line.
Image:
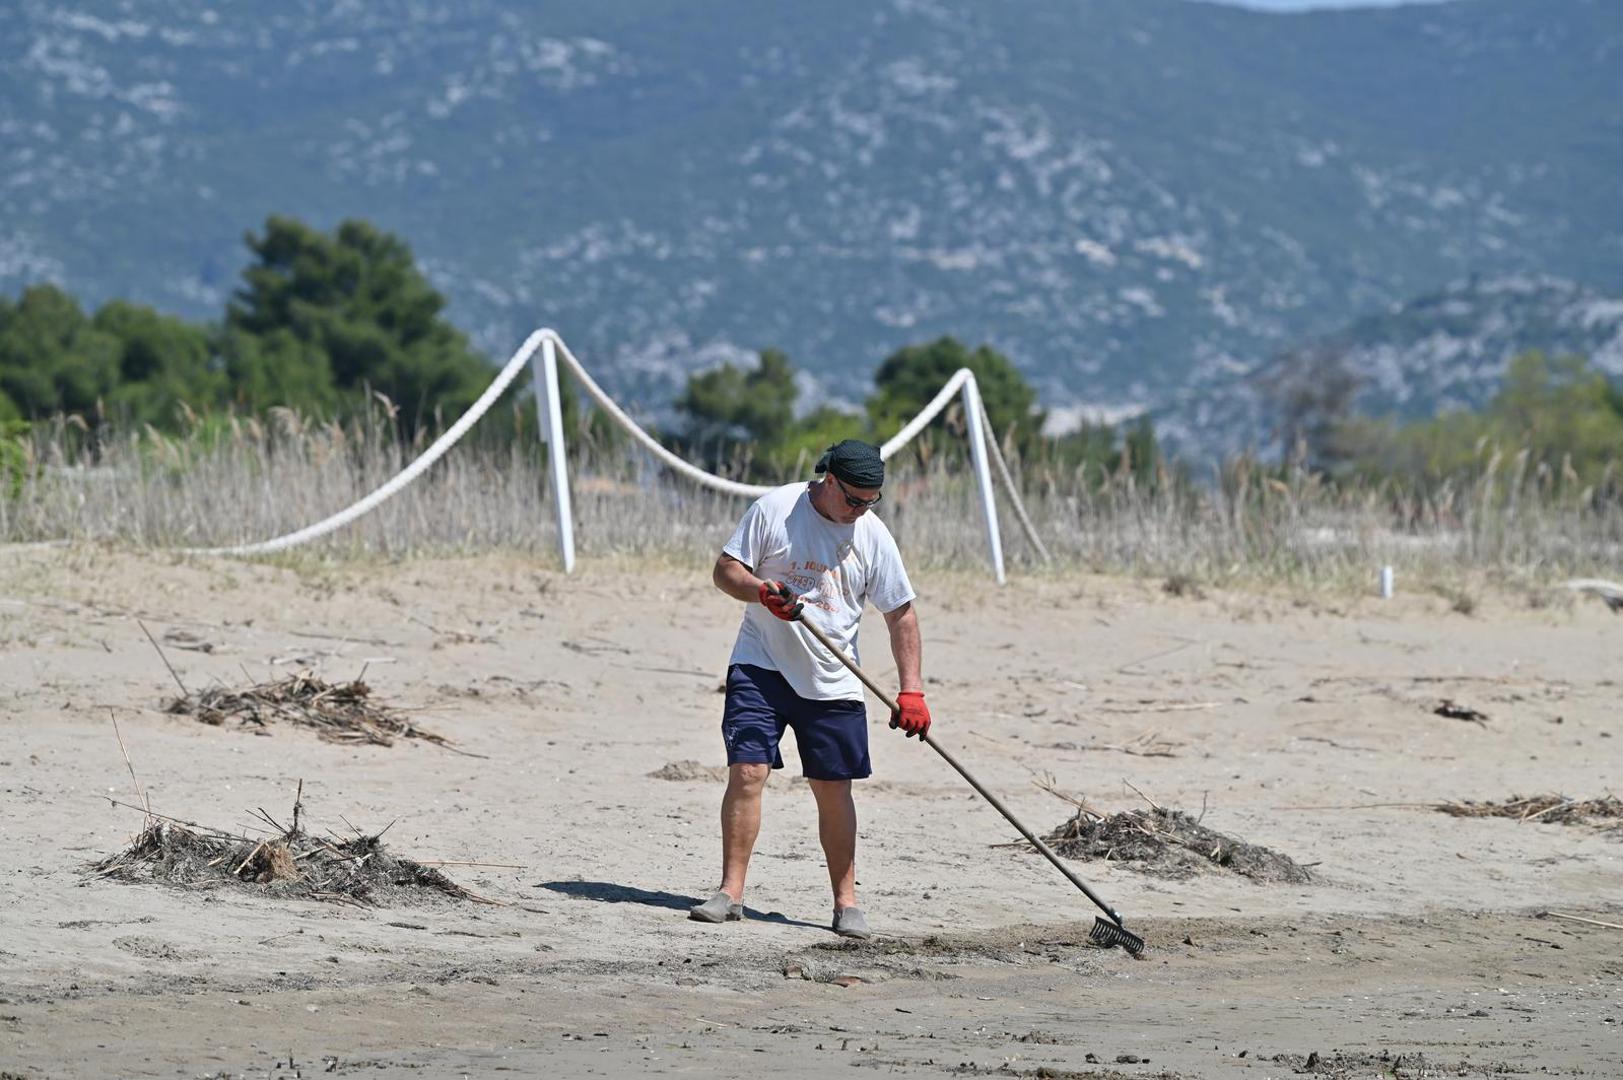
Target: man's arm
739	582
736	580
905	646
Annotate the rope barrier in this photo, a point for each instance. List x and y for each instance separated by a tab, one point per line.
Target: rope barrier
928	413
388	490
962	381
645	440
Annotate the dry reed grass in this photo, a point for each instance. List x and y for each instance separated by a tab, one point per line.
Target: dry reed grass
241	479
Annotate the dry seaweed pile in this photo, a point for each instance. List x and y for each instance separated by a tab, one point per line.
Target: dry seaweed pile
341	713
1169	843
1606	812
1344	1065
292	865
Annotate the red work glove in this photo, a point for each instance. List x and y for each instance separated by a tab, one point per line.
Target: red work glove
912	715
780	601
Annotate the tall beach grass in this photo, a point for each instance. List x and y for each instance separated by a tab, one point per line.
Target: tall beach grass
233	480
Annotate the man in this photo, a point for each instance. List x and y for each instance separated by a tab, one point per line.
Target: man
810	551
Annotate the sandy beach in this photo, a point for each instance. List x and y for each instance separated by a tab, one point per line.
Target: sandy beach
1309	725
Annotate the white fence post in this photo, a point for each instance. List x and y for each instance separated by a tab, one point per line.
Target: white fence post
983	475
549	412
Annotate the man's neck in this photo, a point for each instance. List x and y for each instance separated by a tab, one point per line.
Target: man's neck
814	488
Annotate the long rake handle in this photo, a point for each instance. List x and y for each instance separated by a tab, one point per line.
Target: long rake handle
890	703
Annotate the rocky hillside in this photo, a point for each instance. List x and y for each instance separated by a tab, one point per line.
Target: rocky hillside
1137	200
1446	350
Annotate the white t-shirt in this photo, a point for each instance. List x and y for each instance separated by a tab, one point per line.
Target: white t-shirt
833	568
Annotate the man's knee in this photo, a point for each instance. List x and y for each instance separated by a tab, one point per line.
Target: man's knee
748	777
831	791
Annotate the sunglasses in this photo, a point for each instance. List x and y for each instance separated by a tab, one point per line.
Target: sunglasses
851	500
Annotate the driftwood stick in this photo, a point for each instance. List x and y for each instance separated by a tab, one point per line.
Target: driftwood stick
1361	806
140	793
1553	806
479	899
462	862
1187	642
1141	795
443	745
238	871
1581	919
340	638
185	693
1046	782
166	817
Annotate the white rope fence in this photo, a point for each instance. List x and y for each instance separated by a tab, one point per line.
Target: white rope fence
544	347
382	494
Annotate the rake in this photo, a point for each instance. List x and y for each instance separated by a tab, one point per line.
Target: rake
1105	933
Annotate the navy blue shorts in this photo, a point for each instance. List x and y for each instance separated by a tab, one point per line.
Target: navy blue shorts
832	736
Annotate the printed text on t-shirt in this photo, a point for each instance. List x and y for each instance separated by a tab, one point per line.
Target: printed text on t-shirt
806	577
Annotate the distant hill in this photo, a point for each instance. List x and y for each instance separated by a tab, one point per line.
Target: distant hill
1446	350
1137	200
1449	350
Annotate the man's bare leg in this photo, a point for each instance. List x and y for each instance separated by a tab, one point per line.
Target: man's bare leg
740	824
837	827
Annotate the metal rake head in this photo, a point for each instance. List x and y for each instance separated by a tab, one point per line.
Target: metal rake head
1106	934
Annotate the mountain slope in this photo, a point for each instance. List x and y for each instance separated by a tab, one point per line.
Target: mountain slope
1450	349
1135	199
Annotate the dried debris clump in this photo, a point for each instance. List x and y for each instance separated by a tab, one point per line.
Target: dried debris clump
1453	710
1169	843
341	712
1605	812
1347	1065
293	865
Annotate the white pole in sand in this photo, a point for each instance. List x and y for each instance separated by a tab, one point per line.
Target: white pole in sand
983	475
549	411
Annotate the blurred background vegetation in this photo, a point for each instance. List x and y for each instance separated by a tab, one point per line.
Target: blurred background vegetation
341	328
328	324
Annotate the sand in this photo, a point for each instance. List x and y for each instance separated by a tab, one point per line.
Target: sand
1307	726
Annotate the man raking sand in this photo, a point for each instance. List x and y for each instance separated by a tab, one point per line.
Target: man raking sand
810	551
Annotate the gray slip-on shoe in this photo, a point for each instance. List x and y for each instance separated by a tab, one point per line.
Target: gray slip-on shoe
849	922
719	908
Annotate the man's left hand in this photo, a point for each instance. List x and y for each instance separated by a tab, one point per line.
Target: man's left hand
912	715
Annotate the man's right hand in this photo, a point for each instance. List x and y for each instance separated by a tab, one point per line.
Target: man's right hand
777	599
912	715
